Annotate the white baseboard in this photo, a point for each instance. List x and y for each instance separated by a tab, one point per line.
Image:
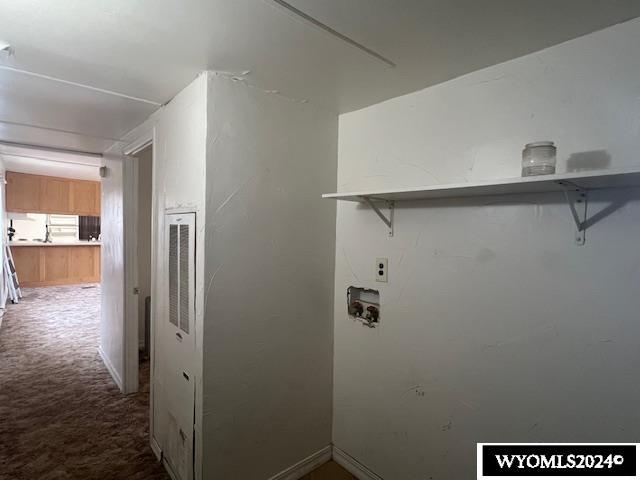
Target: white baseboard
155	448
169	470
157	452
352	466
305	466
112	370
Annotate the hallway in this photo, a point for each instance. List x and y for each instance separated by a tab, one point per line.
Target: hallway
61	415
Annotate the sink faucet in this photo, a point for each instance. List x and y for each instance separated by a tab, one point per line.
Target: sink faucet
47	236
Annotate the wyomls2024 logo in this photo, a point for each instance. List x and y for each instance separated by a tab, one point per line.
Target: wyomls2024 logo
558	460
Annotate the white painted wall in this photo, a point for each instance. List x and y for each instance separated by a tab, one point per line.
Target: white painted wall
179	131
269	280
178	183
112	269
145	183
495	327
29	225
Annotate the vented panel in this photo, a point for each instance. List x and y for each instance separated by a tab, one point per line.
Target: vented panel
173	274
184	278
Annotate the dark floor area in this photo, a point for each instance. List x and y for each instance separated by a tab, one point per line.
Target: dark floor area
61	415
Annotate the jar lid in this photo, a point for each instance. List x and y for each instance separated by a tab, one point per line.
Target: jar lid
539	144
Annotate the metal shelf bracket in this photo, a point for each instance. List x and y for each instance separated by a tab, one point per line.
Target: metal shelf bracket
387	221
577	201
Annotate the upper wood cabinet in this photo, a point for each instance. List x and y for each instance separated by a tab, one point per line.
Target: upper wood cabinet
54	194
28	193
23	193
85	198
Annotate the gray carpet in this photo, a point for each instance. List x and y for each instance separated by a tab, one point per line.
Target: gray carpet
61	415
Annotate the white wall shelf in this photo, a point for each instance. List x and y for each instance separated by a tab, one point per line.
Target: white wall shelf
575	186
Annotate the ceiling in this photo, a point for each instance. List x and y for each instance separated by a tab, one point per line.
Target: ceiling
49	162
151	49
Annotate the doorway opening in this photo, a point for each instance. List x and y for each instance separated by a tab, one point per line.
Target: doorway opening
140	243
58	382
144	159
51	209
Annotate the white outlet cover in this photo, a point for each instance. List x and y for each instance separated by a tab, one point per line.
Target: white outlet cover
382	267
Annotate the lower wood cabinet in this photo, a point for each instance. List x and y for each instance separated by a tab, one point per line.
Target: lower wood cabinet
57	264
27	260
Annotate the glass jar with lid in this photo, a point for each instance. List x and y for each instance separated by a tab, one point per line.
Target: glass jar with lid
538	158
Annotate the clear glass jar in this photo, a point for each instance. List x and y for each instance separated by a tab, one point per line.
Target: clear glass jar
538	158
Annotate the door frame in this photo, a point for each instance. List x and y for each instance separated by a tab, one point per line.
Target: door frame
131	381
142	139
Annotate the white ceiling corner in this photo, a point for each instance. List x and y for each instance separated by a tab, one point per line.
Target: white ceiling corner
151	49
50	162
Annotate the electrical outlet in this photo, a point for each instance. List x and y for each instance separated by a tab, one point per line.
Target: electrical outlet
382	265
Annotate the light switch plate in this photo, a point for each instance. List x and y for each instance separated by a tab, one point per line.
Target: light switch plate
382	265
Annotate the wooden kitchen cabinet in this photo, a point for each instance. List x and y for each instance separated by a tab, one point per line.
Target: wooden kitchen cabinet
26	193
56	264
54	194
84	263
85	198
27	263
23	193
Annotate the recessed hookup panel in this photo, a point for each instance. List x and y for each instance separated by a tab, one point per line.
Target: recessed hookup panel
363	304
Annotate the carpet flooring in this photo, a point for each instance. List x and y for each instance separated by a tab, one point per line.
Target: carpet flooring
61	415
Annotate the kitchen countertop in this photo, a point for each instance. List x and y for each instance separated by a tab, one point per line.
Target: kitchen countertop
79	243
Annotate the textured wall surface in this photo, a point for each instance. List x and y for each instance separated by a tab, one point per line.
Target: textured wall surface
112	269
269	281
179	183
495	326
